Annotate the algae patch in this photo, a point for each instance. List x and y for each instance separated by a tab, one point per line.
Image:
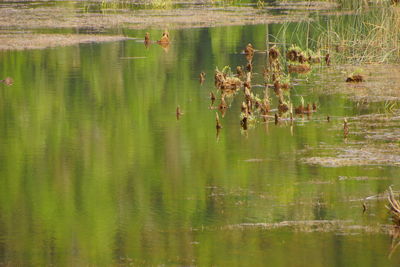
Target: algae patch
373	140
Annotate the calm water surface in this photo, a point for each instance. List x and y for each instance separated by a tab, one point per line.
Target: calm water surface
95	169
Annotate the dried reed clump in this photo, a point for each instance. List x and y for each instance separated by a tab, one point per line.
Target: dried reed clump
223	81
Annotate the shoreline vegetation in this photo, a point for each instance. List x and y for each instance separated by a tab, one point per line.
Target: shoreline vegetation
369	34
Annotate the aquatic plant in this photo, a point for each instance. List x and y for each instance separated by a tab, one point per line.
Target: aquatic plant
202	77
225	80
212	98
164	39
249	50
218	123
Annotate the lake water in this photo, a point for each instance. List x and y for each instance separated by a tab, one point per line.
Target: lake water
95	168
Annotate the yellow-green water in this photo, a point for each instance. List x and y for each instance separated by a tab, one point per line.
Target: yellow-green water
95	169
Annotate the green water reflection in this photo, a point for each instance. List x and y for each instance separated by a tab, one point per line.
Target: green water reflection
96	170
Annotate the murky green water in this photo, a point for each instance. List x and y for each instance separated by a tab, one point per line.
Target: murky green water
95	168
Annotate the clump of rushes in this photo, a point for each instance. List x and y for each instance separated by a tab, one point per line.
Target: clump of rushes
164	39
273	59
273	54
249	50
299	60
224	80
301	109
283	107
293	53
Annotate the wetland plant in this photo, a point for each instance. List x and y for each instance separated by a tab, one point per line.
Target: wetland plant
164	41
218	125
239	72
249	50
202	77
225	81
212	98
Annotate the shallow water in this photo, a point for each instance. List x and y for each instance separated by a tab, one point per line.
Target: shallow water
96	169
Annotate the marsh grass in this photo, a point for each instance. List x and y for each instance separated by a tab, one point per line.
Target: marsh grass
373	36
368	35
